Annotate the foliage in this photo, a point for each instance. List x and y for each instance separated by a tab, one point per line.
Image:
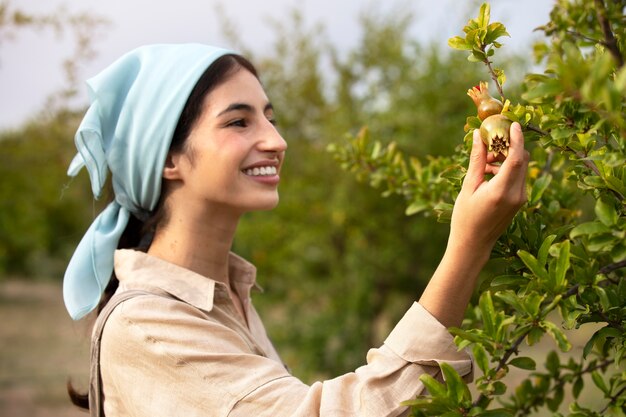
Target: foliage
41	216
562	260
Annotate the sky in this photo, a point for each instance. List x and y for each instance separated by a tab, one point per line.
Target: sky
31	62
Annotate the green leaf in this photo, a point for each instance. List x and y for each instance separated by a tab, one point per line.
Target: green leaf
473	122
556	400
589	228
602	242
558	336
508	280
523	362
432	407
498	387
598	380
464	334
534	336
480	356
484	15
434	387
416	207
553	363
498	412
546	89
459	43
457	388
606	212
533	265
577	387
618	253
542	255
495	30
488	313
539	187
562	265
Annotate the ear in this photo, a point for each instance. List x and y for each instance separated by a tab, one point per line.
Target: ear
171	169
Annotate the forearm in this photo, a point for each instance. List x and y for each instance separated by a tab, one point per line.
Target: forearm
482	212
448	293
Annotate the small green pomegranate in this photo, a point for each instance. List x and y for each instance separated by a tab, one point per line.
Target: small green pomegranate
494	129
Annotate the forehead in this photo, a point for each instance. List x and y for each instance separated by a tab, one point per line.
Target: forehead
241	87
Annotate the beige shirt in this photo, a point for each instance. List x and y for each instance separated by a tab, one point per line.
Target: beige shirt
193	355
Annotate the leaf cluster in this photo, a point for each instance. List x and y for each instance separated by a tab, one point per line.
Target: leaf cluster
560	266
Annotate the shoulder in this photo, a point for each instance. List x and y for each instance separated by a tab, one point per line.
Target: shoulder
162	325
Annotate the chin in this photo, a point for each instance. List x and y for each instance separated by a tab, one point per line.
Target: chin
265	204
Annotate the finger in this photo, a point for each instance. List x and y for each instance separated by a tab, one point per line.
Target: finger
516	162
492	169
497	158
478	159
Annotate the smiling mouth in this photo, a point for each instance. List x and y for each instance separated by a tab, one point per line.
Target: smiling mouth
261	171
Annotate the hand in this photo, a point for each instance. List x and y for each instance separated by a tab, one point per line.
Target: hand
485	208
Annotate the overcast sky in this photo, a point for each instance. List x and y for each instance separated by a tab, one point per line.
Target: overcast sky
30	64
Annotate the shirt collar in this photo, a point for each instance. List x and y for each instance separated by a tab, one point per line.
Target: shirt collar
138	269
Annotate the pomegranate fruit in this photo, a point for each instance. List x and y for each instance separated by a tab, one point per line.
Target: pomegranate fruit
494	129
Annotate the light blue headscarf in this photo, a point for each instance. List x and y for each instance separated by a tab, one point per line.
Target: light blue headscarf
135	106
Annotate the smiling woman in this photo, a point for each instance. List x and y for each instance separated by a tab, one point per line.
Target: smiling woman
188	135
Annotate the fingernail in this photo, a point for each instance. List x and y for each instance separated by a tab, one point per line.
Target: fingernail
517	126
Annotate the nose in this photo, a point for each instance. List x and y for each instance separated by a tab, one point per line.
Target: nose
272	140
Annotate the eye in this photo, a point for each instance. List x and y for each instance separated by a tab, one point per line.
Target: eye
272	120
238	123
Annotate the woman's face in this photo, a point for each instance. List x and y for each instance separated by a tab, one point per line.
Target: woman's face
234	153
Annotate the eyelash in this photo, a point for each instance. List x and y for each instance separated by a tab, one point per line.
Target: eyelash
244	123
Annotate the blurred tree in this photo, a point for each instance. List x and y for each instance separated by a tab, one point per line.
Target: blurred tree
40	219
41	216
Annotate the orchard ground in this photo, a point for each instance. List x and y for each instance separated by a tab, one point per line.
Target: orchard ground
40	348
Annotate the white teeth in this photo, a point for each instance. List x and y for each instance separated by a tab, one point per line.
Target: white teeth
261	171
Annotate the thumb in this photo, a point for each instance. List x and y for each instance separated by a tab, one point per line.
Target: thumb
478	160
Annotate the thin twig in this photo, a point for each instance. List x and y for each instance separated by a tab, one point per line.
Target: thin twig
494	77
561	382
613	399
585	37
502	363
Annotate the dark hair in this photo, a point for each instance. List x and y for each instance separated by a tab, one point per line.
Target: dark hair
138	234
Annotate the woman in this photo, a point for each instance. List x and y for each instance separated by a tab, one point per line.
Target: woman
187	133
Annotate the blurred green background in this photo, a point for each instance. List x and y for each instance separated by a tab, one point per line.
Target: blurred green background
338	263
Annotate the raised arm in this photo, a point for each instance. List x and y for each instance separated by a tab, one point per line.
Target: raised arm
483	210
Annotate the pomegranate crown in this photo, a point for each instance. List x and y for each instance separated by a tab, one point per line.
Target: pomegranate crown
485	103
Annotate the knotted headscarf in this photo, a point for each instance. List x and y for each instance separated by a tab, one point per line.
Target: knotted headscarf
127	130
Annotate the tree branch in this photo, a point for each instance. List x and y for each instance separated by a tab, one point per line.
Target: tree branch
604	271
612	267
536	129
609	38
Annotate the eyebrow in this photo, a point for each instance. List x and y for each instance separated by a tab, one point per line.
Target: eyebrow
244	107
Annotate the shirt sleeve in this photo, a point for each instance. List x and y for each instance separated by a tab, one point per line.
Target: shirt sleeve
162	363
